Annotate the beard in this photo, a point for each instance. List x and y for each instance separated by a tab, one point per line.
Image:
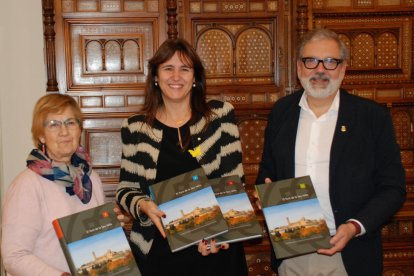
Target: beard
320	92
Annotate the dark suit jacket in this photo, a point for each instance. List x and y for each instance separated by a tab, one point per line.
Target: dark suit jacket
367	179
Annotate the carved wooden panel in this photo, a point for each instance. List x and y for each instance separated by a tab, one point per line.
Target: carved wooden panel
403	124
380	47
237	53
251	128
377	4
102	137
110	5
252	138
240	46
108	54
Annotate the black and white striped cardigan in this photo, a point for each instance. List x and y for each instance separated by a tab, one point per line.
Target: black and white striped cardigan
221	155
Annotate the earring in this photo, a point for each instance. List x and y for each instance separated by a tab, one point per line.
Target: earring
194	84
43	147
156	83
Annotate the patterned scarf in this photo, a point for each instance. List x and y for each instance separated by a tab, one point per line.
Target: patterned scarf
74	176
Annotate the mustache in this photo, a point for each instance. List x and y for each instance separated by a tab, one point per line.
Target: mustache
320	76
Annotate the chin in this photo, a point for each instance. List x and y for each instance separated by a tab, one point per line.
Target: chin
321	93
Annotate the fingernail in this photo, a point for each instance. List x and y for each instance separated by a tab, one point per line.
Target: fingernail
204	241
221	246
213	240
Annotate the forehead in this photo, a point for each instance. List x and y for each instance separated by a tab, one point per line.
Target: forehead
63	114
321	48
178	59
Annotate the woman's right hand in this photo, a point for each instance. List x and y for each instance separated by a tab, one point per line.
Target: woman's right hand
149	208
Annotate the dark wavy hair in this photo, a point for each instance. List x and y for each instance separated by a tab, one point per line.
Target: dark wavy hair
188	55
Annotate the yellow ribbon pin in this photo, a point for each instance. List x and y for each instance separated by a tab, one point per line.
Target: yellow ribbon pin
196	152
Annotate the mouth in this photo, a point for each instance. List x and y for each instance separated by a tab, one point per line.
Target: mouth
175	86
319	80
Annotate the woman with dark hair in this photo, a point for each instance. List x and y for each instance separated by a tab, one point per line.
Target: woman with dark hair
157	144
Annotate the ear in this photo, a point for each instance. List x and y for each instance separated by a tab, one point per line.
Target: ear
299	67
42	140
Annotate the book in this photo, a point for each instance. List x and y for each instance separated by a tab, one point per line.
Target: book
237	210
293	216
191	208
94	243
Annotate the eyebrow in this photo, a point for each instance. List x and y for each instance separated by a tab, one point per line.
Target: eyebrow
181	66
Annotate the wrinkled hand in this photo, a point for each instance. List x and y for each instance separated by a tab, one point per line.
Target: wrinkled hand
344	234
206	248
149	208
256	196
123	217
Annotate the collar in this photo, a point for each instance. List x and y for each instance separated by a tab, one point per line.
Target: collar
303	103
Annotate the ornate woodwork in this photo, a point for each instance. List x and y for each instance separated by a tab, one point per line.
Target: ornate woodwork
97	52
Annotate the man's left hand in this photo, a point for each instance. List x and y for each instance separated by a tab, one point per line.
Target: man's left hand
344	234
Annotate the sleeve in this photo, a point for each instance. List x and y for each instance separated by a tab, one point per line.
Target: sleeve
21	227
129	193
388	176
268	163
233	129
98	188
224	156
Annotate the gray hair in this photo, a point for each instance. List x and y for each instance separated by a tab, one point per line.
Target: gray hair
319	34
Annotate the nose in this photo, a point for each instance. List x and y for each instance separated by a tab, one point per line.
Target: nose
320	67
175	75
63	129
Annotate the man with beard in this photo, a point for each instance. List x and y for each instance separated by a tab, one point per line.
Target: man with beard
347	145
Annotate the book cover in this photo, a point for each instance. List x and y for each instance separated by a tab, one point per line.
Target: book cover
94	243
293	216
237	210
191	208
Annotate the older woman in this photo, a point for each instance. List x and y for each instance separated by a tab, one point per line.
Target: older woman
58	181
177	131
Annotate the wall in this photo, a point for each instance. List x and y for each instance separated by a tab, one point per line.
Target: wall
22	82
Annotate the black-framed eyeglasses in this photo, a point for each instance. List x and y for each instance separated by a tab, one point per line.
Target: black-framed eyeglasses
328	63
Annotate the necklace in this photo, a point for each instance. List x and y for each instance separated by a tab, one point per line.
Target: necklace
179	123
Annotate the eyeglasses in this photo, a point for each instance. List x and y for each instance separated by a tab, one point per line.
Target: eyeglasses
56	125
328	63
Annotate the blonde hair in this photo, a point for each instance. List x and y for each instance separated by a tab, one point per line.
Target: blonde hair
52	103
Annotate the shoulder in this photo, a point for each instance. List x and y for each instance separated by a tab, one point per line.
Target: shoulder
363	104
287	105
96	180
27	182
28	177
288	100
137	124
219	107
134	119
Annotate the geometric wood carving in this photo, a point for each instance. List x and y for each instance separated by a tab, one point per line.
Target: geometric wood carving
237	53
109	5
380	47
108	54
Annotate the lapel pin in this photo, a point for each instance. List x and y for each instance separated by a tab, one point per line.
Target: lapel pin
195	152
343	128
